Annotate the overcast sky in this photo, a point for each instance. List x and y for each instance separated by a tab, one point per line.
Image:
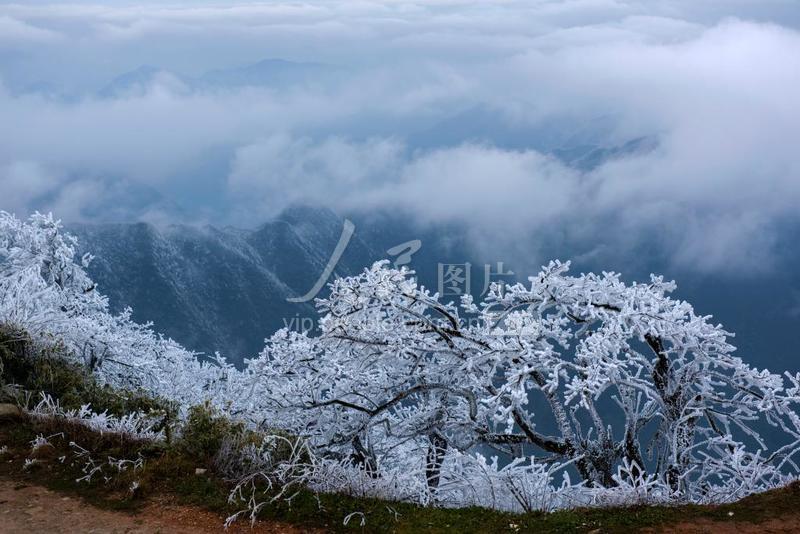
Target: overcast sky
371	113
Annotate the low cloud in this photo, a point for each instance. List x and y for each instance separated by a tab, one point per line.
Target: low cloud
278	171
712	89
17	33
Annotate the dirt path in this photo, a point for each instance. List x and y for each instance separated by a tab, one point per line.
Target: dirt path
789	524
782	525
26	509
34	509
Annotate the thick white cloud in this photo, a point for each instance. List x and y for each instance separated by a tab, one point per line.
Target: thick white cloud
713	83
22	183
15	33
272	173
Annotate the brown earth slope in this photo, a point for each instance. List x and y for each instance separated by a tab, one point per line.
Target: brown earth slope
28	509
45	497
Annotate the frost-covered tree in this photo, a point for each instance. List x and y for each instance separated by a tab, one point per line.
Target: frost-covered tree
585	369
45	291
38	274
401	394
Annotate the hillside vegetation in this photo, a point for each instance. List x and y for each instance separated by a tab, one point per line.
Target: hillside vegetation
589	394
187	469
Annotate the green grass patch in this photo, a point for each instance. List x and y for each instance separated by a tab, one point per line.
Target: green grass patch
45	369
169	469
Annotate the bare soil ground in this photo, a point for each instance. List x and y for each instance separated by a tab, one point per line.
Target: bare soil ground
28	509
787	524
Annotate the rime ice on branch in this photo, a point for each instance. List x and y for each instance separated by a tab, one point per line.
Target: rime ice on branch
630	377
400	393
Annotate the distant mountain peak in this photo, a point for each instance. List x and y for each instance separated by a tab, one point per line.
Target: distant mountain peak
215	288
270	72
140	80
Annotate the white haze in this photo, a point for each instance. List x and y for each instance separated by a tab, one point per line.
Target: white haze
714	84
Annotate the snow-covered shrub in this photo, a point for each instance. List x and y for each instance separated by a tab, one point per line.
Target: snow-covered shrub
45	292
138	426
589	391
628	376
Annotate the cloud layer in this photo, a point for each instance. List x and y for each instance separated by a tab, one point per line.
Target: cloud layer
607	124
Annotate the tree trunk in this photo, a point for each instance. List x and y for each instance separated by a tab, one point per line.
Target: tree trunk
363	458
436	453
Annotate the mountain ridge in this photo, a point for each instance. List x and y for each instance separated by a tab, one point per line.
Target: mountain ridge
214	289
